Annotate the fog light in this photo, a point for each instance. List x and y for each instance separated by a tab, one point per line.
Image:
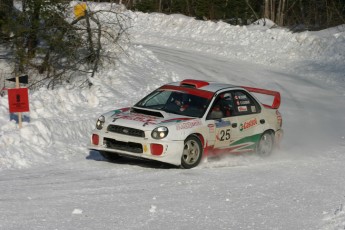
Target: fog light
156	149
95	139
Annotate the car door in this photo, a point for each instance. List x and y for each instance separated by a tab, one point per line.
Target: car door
236	122
221	122
247	115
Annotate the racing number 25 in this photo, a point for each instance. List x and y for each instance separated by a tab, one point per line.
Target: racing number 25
225	135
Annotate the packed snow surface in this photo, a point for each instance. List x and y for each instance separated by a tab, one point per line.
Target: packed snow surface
50	180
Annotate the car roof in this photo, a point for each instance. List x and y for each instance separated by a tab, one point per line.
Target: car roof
210	86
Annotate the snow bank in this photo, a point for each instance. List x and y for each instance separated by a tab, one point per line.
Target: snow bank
62	119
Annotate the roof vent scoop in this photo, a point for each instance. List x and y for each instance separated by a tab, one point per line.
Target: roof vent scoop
193	83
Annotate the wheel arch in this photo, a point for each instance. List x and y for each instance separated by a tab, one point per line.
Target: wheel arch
269	131
200	136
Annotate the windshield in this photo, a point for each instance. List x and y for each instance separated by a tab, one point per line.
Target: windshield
177	102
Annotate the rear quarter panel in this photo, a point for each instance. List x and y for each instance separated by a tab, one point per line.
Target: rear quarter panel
271	121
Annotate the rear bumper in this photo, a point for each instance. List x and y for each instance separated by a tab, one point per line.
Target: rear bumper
138	147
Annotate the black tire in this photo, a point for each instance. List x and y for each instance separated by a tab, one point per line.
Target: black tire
109	156
266	144
192	152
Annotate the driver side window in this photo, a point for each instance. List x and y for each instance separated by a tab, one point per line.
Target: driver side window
222	107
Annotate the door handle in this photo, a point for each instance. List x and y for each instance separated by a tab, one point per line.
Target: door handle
262	121
234	125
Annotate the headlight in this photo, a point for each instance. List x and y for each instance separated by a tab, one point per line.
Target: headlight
160	132
100	122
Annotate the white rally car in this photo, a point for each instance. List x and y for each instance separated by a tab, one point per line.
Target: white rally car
182	122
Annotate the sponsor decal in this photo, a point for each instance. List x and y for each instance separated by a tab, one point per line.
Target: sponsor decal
243	145
188	125
139	117
248	124
241	97
120	111
242	108
211	128
222	123
244	102
238	149
117	113
249	139
176	120
196	92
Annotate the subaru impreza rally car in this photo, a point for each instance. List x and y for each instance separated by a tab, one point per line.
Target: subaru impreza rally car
182	122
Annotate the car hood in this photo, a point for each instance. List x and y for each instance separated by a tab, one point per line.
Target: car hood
144	121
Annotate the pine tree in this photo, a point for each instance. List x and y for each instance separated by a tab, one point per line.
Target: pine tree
146	6
6	10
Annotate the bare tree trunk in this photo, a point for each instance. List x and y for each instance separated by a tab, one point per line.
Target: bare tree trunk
160	6
188	8
273	13
90	42
32	37
302	11
280	12
282	15
270	9
267	9
211	11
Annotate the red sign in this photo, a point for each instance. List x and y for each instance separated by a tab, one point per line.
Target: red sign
18	100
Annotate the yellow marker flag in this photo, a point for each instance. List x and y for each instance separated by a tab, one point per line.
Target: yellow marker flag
79	10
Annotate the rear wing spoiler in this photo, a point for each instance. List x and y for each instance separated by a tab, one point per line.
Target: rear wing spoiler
275	94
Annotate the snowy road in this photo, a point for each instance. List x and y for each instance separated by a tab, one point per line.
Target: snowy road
300	187
283	194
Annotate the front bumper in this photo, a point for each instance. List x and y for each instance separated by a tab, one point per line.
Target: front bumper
138	146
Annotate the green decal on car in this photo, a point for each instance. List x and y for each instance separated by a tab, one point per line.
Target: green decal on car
250	140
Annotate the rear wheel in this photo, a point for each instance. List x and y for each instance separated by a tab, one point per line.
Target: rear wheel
192	152
109	156
266	144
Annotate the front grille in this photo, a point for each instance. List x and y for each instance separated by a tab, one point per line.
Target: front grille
126	131
124	146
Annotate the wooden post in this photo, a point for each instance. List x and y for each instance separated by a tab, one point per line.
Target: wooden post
19	114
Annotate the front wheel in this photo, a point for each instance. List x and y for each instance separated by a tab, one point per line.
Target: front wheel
192	152
266	144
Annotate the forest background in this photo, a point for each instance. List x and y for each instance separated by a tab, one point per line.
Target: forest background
39	38
295	14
